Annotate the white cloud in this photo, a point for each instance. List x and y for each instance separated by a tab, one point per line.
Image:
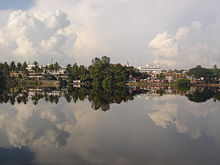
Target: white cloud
182	32
189	46
167	114
165	44
38	35
190	118
119	29
19	125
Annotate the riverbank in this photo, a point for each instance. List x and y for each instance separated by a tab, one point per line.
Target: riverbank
139	84
35	83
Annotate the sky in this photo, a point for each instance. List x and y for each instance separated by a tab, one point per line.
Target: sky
16	4
172	33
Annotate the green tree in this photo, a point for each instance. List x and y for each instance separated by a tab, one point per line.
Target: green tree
56	66
107	83
200	73
202	95
83	73
19	66
37	68
183	84
216	71
24	68
95	61
12	66
105	60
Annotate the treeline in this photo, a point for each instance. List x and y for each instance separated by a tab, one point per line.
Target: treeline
101	71
199	75
13	67
206	75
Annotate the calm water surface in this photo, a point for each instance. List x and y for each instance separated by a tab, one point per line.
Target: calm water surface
145	129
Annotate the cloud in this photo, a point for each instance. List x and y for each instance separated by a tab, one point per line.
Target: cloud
189	46
38	35
19	126
190	118
89	137
167	114
119	29
165	44
164	116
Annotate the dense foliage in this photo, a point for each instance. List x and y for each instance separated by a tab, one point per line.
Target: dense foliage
183	84
99	98
205	74
101	70
204	95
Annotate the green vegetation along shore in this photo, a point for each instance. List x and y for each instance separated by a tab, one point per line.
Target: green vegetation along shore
103	73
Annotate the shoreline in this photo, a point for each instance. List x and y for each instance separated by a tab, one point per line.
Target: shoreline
140	84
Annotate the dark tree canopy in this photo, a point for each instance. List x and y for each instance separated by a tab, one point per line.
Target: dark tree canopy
105	59
201	73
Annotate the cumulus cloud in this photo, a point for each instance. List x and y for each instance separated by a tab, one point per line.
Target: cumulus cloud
168	114
19	126
190	118
166	45
119	29
38	35
189	46
164	116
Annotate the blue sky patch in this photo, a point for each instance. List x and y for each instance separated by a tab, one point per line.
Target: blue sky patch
16	4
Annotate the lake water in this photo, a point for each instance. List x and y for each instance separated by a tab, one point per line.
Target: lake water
105	127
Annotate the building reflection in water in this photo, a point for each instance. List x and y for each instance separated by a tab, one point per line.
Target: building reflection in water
102	98
61	133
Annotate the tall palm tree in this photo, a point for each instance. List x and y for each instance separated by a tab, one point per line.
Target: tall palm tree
56	66
12	66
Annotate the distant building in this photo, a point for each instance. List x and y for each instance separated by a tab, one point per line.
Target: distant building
127	64
60	71
76	81
173	76
35	76
151	69
31	66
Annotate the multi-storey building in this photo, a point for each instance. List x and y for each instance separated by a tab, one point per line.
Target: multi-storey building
151	69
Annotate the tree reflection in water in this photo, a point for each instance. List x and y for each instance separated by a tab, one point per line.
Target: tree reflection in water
98	97
203	94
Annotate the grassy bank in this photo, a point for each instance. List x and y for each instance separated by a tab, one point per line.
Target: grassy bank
37	83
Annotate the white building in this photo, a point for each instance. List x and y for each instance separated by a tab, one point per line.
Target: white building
31	66
60	71
151	69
